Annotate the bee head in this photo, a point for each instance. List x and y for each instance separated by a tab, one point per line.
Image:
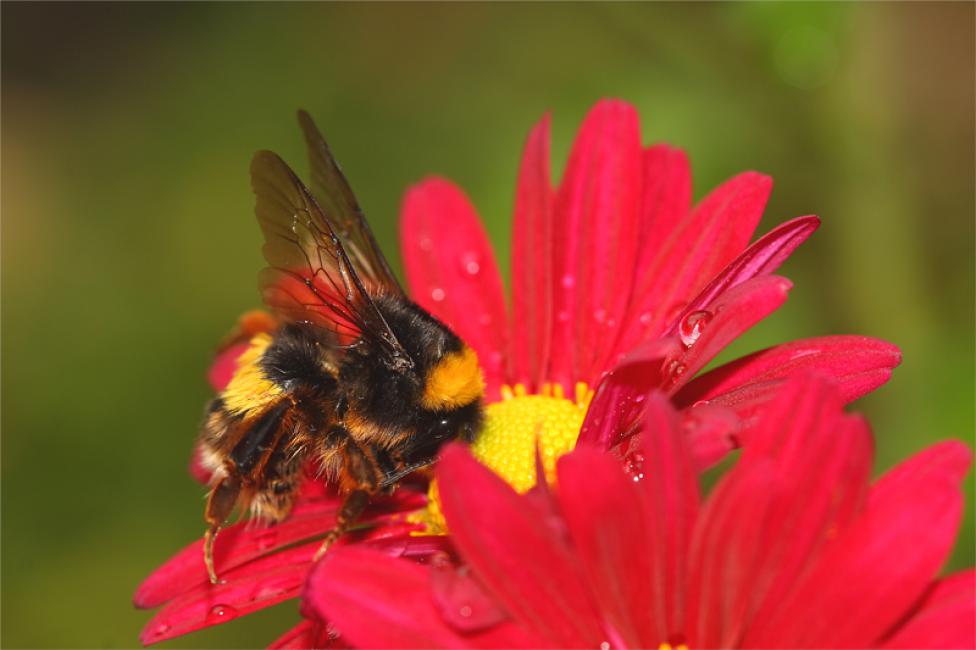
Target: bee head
453	382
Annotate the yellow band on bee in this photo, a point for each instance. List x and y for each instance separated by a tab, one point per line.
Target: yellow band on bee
249	389
453	382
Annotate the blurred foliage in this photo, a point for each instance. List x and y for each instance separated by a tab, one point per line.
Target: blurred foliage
129	248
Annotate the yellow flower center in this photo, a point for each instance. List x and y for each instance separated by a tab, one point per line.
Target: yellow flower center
507	442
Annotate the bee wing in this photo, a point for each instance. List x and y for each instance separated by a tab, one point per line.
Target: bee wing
339	205
310	277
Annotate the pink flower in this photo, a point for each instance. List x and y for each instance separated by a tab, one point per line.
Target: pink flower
794	548
620	286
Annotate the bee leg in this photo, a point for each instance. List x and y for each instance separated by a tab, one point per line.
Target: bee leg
352	507
220	504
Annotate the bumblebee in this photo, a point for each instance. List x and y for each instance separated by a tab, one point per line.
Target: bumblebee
355	376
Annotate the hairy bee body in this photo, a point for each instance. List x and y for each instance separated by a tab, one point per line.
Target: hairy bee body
356	377
296	395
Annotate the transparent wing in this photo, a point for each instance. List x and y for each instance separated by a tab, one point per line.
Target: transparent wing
310	277
339	205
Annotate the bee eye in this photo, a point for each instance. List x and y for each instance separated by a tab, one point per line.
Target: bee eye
443	428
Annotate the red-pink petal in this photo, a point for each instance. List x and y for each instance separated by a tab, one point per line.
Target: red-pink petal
813	463
536	579
761	258
712	431
665	200
669	489
617	403
867	580
246	589
380	602
703	243
599	502
945	619
857	364
224	366
263	582
240	544
532	261
735	312
304	636
949	460
823	459
451	269
740	498
595	240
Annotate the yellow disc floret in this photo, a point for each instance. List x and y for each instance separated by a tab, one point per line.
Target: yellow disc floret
513	428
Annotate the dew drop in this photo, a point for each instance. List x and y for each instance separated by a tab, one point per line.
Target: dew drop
674	369
426	244
222	613
563	316
440	559
645	318
691	326
437	294
634	465
600	315
470	263
604	645
568	281
268	593
161	629
465	611
484	319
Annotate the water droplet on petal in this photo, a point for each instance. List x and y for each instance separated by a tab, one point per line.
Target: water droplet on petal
465	611
440	559
563	316
634	465
161	629
568	281
470	263
645	318
426	244
600	315
437	294
604	645
219	613
484	319
691	326
674	369
268	593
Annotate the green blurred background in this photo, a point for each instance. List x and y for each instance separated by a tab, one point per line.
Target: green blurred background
129	245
